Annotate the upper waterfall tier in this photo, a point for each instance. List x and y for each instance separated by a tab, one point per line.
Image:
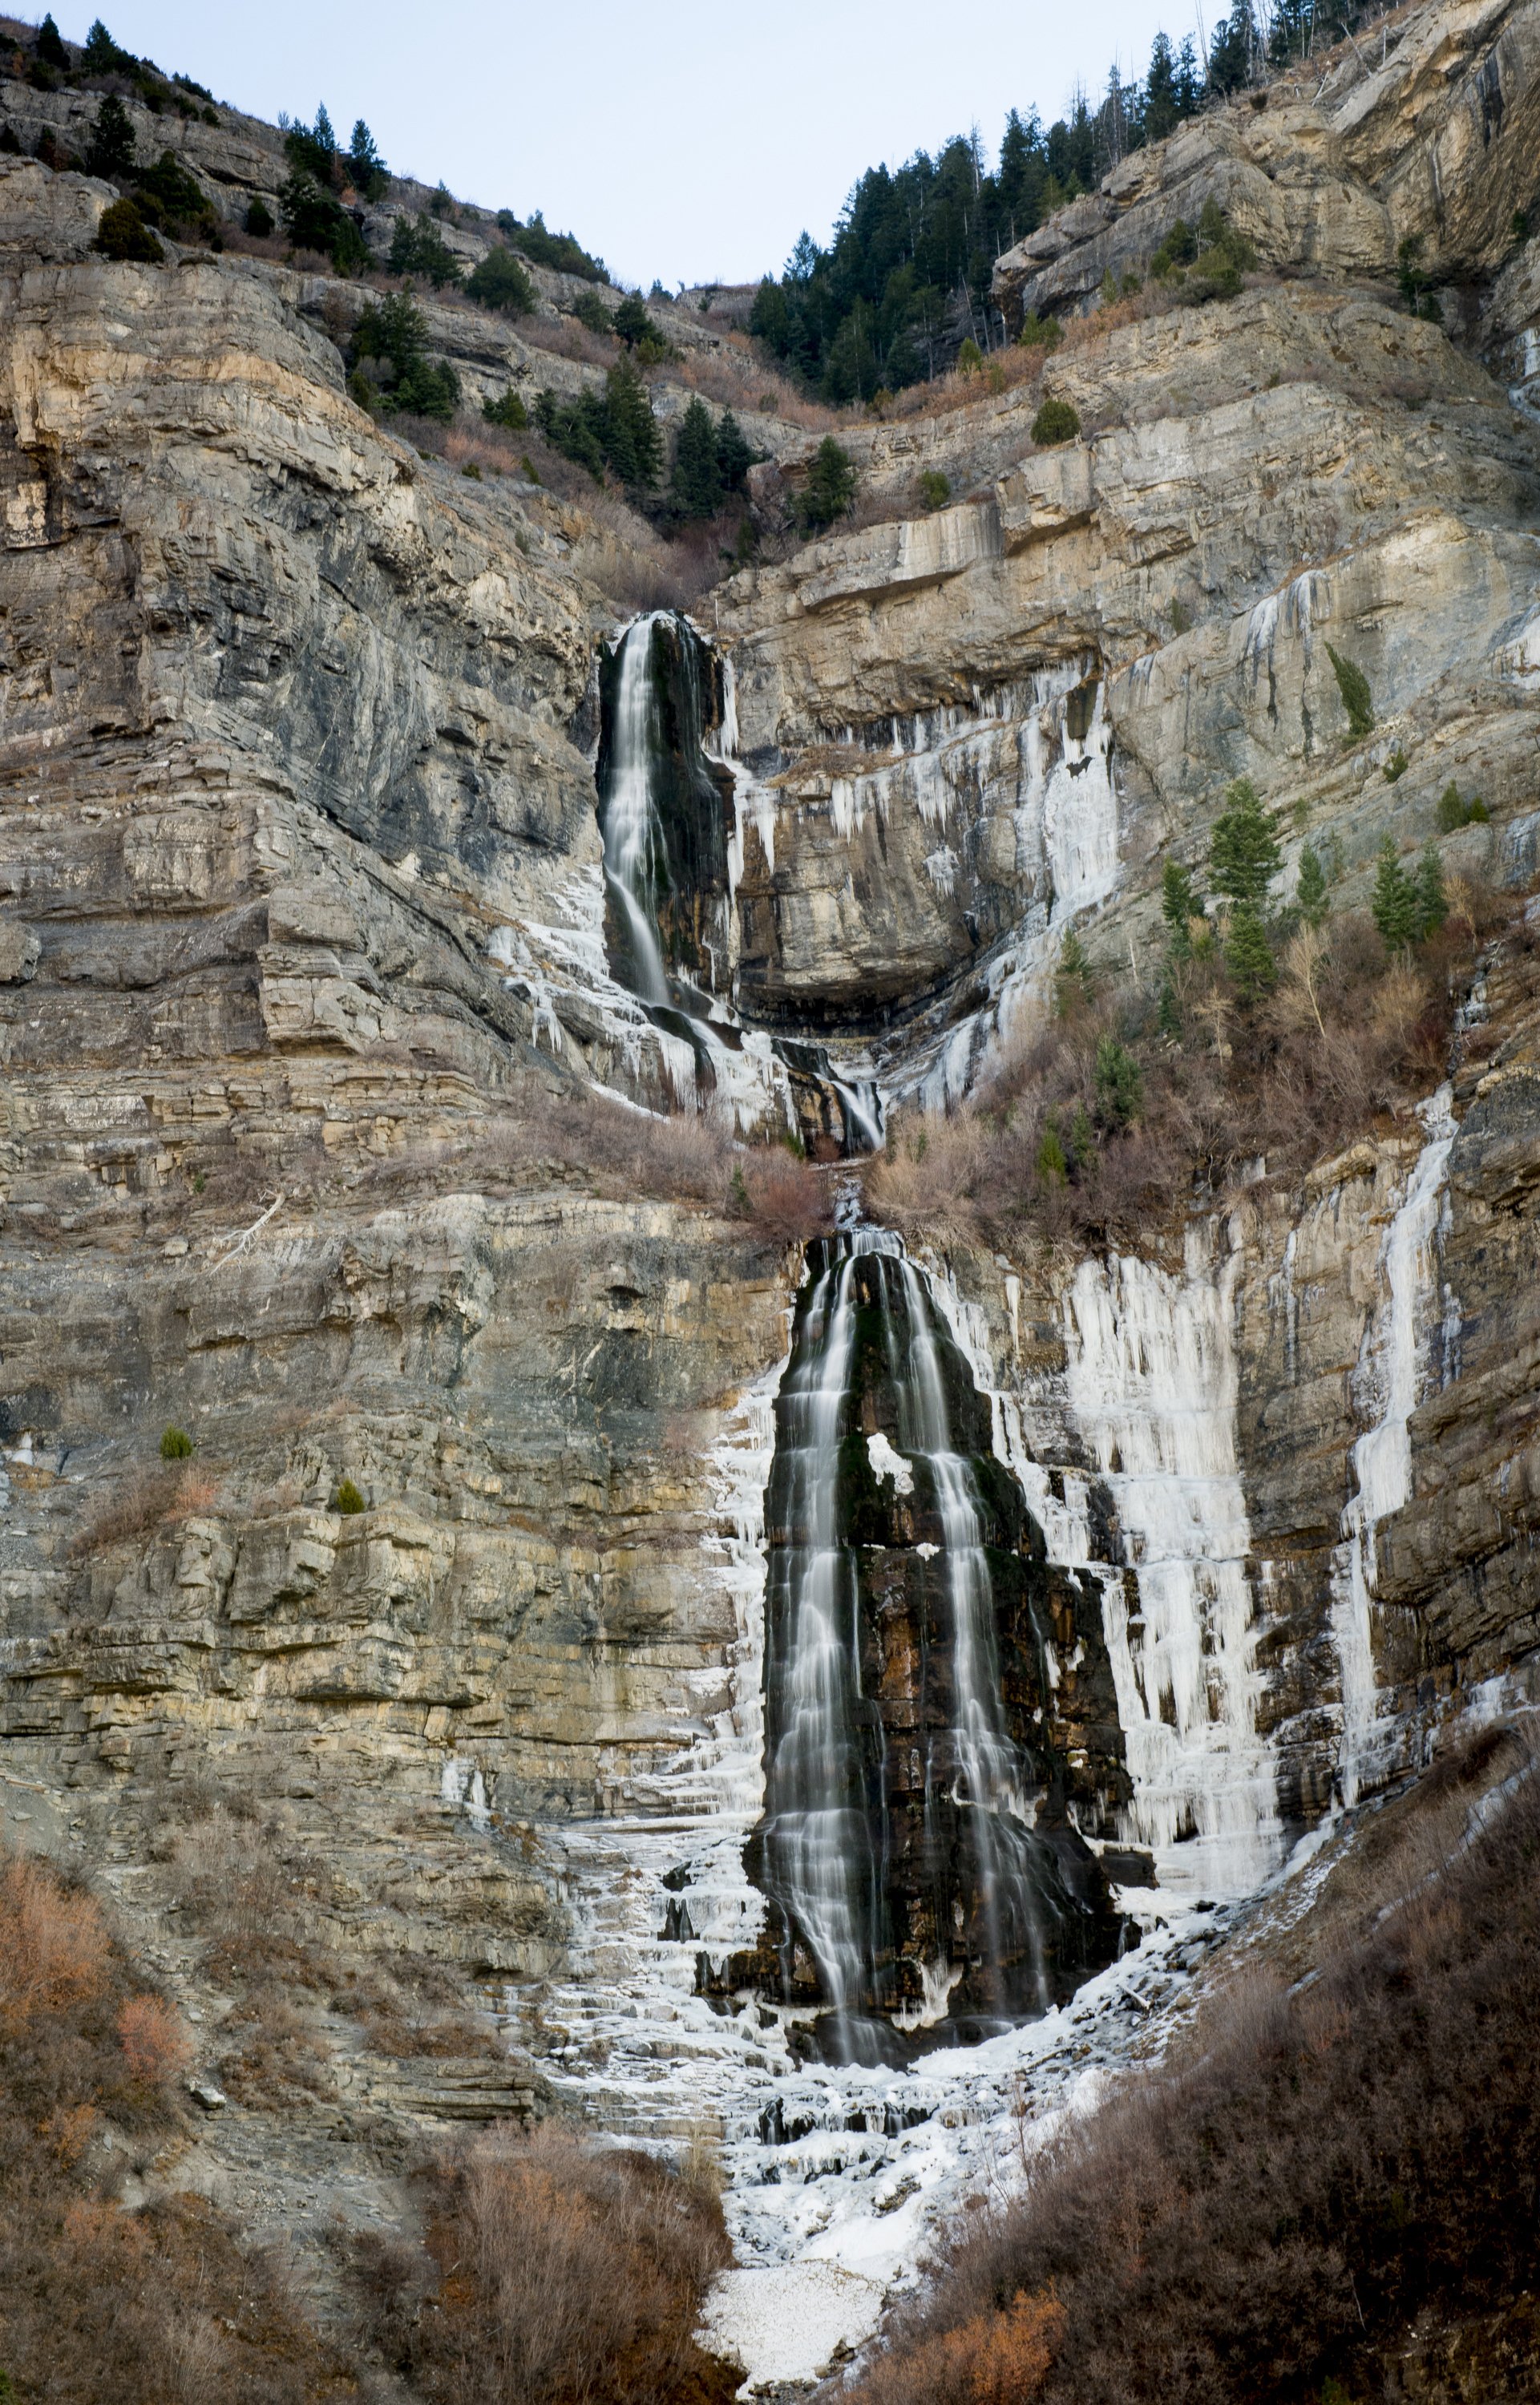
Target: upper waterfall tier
663	809
668	797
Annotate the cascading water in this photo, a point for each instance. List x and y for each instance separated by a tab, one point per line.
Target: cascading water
635	853
987	1770
901	1848
818	1850
662	818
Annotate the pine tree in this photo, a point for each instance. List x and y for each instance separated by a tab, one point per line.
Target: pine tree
1248	953
1395	905
830	486
1160	90
101	53
122	234
1230	51
1353	685
1189	80
1053	1168
1293	22
1433	906
633	323
1180	903
1243	854
500	282
50	46
418	249
1312	896
366	170
1120	1083
697	479
632	444
1074	980
110	150
734	454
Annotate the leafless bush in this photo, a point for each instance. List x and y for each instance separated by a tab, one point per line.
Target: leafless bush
251	245
275	2059
1292	1079
570	2274
1323	2168
566	338
629	561
96	2301
55	1954
741	378
154	1500
683	1158
786	1202
155	2042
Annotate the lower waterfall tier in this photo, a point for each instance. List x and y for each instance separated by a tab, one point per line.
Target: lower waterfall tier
940	1720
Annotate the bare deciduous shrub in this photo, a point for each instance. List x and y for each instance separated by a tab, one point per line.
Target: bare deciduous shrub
684	1157
275	2059
569	2273
995	2358
1292	1079
739	376
155	1499
786	1202
1320	2169
97	2302
155	2042
54	1949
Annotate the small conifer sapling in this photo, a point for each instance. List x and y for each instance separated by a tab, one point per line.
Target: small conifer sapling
1314	901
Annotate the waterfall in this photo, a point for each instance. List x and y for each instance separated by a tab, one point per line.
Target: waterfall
635	856
1382	1458
668	875
899	1840
1152	1381
818	1840
987	1768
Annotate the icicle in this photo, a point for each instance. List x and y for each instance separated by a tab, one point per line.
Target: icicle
1152	1381
1382	1458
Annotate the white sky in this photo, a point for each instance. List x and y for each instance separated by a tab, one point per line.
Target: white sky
683	142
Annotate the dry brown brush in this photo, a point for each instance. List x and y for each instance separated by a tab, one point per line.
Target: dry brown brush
682	1158
1291	1077
559	2272
1327	2166
97	2300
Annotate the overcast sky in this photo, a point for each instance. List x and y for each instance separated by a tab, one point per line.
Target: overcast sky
689	143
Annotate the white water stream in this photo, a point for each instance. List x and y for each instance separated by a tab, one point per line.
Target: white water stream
818	1840
987	1772
822	1866
837	2174
633	833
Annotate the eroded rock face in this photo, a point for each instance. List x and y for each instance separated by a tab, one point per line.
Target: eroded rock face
1260	483
297	826
288	737
1433	142
1199	1429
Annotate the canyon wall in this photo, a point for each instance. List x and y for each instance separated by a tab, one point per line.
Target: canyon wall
303	973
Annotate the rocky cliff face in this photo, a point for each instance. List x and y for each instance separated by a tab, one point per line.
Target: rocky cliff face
303	976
